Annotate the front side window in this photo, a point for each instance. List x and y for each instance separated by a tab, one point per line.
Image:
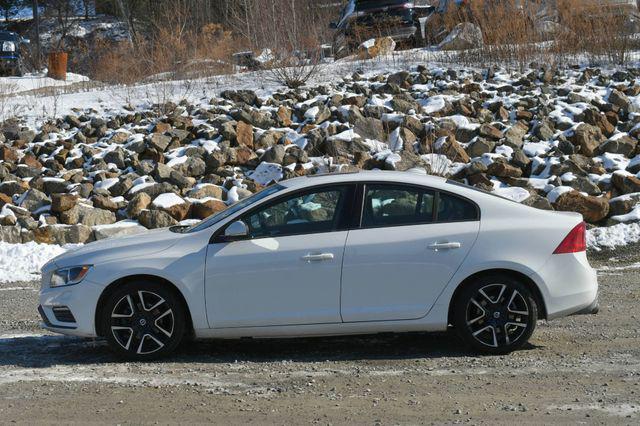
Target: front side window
391	205
311	212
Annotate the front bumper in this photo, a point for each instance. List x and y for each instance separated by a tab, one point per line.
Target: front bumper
80	299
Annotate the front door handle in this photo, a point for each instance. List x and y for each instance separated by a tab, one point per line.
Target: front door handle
445	246
317	257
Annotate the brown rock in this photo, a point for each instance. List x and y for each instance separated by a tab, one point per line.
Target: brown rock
588	138
593	209
244	133
206	209
5	199
502	169
103	202
283	116
8	154
137	204
31	161
490	132
63	202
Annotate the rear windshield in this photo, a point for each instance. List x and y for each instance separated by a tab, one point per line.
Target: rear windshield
374	4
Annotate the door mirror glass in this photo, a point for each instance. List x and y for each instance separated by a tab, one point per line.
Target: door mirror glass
333	25
236	230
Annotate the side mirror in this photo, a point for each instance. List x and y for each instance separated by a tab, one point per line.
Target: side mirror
236	230
333	26
26	41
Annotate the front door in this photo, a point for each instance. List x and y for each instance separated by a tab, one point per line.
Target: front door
410	244
287	271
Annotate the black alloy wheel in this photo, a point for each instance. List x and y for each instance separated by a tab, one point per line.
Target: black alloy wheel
144	321
495	314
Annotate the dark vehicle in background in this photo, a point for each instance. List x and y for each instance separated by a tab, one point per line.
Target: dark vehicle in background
11	61
361	20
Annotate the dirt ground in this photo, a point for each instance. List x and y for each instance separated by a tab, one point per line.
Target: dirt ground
579	369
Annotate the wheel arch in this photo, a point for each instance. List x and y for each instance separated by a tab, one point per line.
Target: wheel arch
542	310
140	277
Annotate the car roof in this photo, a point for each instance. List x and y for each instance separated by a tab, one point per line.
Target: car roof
363	176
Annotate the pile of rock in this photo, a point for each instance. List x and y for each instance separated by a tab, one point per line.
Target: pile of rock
567	140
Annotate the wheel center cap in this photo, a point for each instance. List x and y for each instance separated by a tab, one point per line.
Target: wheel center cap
496	315
143	322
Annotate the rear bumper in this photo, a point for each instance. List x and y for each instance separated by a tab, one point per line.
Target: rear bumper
592	309
568	284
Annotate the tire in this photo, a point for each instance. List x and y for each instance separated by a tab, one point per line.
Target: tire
143	320
496	314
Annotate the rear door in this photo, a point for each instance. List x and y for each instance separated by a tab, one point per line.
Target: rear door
410	243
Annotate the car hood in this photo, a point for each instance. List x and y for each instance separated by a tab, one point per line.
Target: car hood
127	247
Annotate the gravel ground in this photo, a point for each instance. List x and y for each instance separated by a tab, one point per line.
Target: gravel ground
578	369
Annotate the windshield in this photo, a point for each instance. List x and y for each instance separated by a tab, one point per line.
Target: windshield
212	220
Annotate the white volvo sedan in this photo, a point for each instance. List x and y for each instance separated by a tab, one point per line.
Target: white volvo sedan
334	254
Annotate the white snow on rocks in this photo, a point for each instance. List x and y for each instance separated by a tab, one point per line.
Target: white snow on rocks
513	193
165	201
266	173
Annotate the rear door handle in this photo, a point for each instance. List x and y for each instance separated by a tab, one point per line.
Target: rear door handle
317	257
445	246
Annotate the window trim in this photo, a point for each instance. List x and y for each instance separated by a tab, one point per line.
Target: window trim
362	188
342	223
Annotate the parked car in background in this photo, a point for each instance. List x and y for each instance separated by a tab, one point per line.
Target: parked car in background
335	254
11	60
361	20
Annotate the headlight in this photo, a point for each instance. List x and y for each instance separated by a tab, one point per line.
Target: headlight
8	46
69	276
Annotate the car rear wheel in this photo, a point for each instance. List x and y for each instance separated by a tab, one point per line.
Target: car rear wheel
495	314
143	321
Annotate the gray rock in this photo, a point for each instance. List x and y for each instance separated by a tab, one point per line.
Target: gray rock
275	154
101	233
158	141
87	215
480	146
10	234
33	199
153	219
193	167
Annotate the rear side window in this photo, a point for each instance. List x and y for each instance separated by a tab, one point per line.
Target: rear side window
456	209
390	205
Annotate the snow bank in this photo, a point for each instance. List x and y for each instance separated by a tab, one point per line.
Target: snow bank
22	262
9	85
613	236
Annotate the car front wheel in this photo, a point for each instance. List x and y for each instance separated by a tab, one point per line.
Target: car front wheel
143	321
495	314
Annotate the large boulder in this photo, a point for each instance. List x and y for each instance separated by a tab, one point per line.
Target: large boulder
464	36
203	210
61	234
33	200
587	138
172	204
87	215
119	229
153	219
593	209
137	204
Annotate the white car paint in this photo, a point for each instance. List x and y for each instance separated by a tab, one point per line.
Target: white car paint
376	280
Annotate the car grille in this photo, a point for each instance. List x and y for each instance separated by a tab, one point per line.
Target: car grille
63	314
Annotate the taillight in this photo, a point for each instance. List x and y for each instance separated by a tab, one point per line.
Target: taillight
575	242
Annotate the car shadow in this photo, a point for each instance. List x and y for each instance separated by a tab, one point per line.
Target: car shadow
46	350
